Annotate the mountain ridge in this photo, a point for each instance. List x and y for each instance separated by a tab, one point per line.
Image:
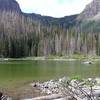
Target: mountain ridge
12	5
90	11
9	5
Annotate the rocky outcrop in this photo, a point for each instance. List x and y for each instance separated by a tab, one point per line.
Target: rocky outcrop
9	5
90	11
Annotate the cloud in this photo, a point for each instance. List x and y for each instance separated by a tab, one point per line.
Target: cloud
55	8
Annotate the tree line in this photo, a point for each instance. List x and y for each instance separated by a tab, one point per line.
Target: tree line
22	36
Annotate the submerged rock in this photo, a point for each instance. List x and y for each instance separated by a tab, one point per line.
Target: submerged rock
88	62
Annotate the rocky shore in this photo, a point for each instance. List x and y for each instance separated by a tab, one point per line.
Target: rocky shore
68	89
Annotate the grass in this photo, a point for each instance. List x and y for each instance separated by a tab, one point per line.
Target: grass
77	77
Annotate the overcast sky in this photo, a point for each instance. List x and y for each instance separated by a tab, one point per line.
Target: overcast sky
55	8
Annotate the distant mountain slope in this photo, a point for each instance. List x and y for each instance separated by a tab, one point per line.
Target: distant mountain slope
12	5
9	5
89	20
66	21
91	10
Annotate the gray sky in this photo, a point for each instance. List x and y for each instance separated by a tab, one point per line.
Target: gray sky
55	8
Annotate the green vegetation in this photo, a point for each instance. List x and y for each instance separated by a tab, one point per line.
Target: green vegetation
76	77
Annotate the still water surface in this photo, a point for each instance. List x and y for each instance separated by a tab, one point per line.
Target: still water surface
14	72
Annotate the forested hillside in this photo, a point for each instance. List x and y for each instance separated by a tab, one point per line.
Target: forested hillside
23	35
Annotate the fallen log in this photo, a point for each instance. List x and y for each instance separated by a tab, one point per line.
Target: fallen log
48	97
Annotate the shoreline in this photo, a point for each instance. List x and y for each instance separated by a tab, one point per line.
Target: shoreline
55	58
35	89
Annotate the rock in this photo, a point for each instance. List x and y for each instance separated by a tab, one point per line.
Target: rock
88	62
35	85
90	11
98	81
9	5
9	98
89	79
73	82
96	92
46	87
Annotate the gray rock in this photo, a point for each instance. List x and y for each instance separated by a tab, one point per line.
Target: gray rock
90	11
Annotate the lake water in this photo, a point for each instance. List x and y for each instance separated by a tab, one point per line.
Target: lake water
14	72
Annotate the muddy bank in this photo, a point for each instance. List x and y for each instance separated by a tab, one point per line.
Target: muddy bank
22	91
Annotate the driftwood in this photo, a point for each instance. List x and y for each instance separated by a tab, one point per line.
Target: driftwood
48	97
74	89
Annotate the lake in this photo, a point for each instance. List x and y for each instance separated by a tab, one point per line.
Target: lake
15	72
